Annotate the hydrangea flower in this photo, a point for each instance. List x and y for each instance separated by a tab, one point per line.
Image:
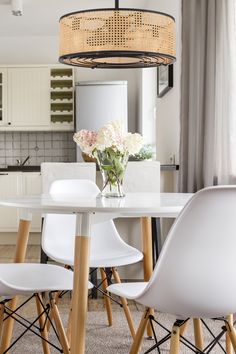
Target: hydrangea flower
110	136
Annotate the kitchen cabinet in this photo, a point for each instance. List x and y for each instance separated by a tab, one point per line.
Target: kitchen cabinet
10	185
18	183
28	97
31	185
3	95
36	98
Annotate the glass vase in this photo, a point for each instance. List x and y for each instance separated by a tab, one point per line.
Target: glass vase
112	165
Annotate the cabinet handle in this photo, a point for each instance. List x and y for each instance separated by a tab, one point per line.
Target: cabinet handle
3	174
9	123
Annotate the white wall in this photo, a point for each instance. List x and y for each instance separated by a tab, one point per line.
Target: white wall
29	50
147	103
168	107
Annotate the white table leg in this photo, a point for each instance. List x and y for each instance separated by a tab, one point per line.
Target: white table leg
20	252
80	287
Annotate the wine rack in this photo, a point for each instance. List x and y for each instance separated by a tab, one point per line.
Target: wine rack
62	96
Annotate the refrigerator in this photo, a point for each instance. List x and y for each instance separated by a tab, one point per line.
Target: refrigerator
98	102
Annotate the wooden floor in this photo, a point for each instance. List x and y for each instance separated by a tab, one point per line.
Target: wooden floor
7	253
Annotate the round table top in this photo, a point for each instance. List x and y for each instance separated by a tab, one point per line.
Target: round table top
145	204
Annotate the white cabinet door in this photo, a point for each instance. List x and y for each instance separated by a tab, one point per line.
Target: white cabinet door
10	185
32	186
3	96
28	97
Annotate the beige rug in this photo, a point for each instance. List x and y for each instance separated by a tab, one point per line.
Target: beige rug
102	339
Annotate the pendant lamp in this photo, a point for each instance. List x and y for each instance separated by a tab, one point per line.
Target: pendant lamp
117	38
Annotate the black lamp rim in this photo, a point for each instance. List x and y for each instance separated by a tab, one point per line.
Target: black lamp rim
104	54
119	9
116	53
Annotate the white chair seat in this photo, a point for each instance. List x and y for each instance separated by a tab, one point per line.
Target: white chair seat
25	278
114	258
127	290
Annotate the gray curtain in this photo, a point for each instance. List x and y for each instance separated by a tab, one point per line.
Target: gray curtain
205	36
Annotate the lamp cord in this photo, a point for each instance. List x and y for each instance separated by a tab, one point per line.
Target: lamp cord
116	4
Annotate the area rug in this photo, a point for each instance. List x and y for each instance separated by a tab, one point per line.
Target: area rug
102	339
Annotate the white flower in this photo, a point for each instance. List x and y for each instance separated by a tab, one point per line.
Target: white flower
133	143
111	135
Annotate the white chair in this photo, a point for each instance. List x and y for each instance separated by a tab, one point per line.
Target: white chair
195	273
33	279
52	171
107	247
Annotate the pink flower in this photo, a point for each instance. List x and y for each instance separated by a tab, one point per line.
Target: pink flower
86	140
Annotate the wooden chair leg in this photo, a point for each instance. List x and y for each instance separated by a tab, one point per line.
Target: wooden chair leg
2	307
106	299
229	348
140	332
44	332
231	333
183	328
57	298
68	331
199	342
125	304
174	340
59	326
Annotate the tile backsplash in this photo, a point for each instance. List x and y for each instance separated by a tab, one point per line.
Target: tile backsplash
40	146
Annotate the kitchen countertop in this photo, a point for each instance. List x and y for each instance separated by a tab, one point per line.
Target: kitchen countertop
27	168
31	168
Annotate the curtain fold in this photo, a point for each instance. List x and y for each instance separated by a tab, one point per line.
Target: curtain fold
208	109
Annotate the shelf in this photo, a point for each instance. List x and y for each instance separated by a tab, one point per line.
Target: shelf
61	107
61	72
62	118
60	79
61	84
61	95
63	89
62	101
57	113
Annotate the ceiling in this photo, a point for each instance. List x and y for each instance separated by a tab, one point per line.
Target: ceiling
40	17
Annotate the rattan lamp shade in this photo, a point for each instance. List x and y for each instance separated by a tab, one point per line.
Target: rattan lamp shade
117	38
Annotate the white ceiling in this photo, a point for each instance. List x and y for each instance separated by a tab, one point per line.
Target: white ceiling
40	17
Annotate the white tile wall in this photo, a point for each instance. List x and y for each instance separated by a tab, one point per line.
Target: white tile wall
41	147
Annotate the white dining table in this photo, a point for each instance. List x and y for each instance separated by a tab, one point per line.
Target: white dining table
143	205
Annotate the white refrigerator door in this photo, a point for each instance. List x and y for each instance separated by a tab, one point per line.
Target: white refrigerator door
98	103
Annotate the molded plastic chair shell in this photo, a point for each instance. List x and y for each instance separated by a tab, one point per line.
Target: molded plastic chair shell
107	247
196	271
28	278
52	171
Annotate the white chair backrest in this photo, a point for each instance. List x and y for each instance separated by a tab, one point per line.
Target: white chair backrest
59	230
196	271
142	176
52	171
